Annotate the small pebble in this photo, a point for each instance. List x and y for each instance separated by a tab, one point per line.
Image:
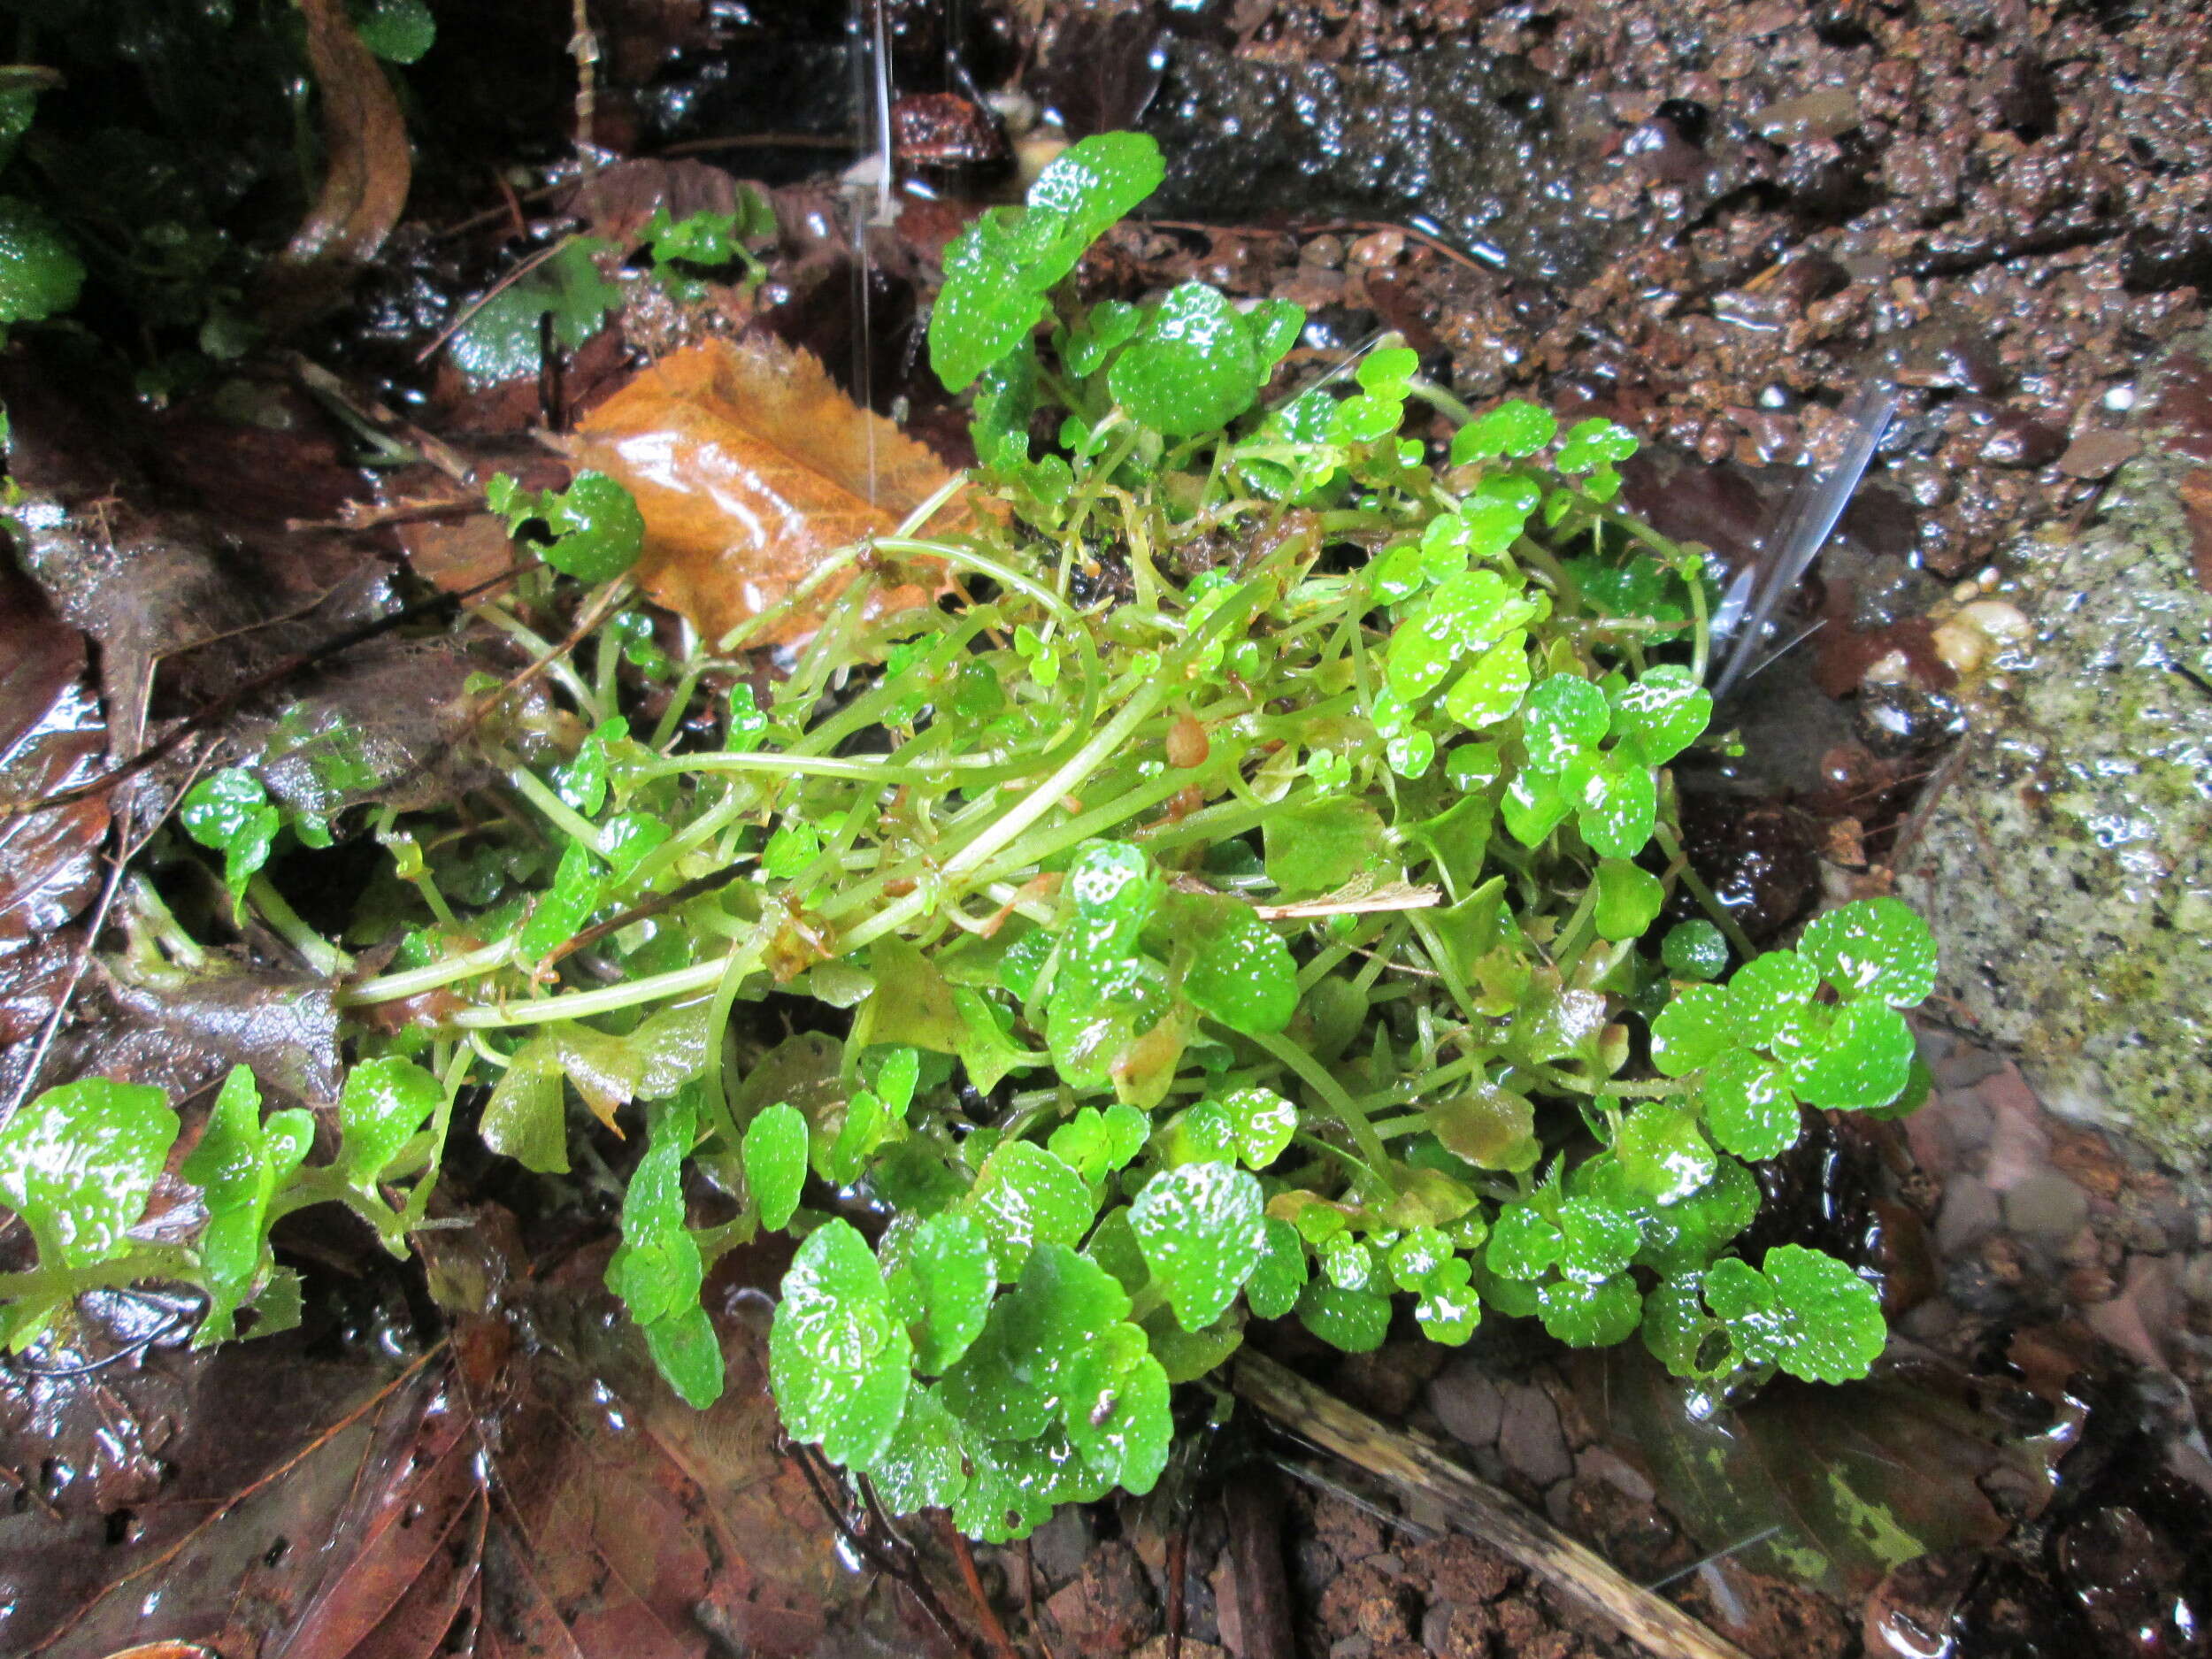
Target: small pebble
1529	1436
1970	1213
1436	1627
1599	1463
2046	1207
1467	1402
2196	1280
2096	454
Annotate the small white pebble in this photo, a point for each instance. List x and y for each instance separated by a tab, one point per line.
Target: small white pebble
1887	670
1961	648
2121	397
2002	621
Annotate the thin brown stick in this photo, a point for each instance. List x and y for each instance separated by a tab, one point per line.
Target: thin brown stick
468	311
906	1574
1029	1595
994	1632
1253	1501
1409	1463
1178	1565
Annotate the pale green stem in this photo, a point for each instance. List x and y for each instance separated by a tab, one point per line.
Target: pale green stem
316	951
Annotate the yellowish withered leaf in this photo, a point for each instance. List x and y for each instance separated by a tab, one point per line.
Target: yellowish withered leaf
748	463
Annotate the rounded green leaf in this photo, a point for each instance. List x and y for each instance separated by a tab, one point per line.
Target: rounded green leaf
1492	690
1493	1128
1864	1060
1346	1262
1524	1243
1749	1107
1200	1228
989	1389
1448	1310
1240	972
1695	950
1766	993
1351	1320
1513	428
1877	948
38	273
526	1118
79	1162
1319	846
397	31
1628	899
1681	1335
1594	442
1664	712
1111	881
1692	1030
1463	615
986	308
1596	1242
1194	367
775	1154
385	1101
1063	1308
941	1281
1081	192
1025	1196
1417	1255
1116	1411
1801	1310
1262	1121
1563	714
838	1364
921	1467
1411	753
1620	807
1281	1274
598	531
1590	1314
1662	1154
686	1352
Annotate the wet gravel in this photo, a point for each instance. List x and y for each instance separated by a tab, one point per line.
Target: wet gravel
2002	206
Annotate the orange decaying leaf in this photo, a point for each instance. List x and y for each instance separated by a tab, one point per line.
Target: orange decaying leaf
748	465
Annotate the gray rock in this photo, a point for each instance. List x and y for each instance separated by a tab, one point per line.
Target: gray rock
1529	1436
1499	156
1467	1402
1970	1213
1436	1627
1061	1544
2047	1209
2067	868
1596	1463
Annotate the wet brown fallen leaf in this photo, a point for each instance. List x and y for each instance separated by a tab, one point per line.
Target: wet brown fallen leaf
748	465
52	738
532	1491
368	165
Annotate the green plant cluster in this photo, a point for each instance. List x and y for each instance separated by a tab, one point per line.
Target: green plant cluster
500	341
1245	899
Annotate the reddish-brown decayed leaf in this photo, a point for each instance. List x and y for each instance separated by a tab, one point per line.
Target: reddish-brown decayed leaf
748	465
395	1531
260	1462
368	164
644	1528
51	737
